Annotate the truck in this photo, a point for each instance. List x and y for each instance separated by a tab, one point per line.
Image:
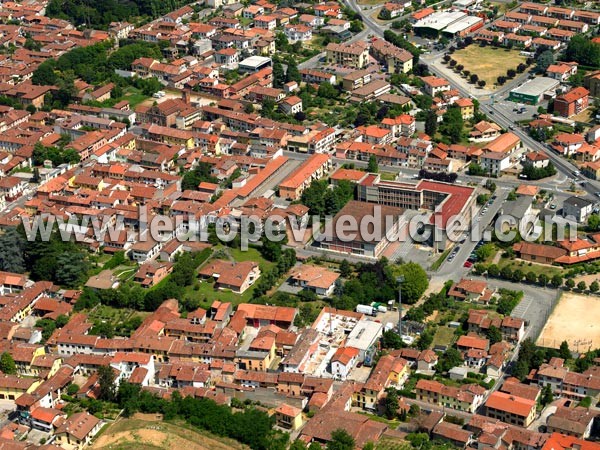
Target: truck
365	309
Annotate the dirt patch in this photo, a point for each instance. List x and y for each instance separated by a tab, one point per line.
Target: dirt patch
576	319
483	61
148	431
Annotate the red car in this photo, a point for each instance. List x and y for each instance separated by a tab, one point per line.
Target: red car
468	264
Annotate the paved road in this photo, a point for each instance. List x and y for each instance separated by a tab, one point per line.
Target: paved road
454	270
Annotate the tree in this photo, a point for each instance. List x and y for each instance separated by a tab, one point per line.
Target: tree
372	167
531	277
582	50
494	334
564	352
545	60
594	287
278	74
485	251
431	123
451	358
511	73
327	90
474	78
543	279
341	440
106	382
501	79
481	83
452	125
345	268
570	283
547	395
391	339
556	281
7	364
581	286
415	281
391	404
73	269
12	247
292	73
594	222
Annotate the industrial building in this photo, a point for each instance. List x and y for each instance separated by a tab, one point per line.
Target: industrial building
254	64
534	90
364	337
453	23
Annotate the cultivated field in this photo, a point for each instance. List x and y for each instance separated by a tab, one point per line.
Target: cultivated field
145	432
488	62
576	319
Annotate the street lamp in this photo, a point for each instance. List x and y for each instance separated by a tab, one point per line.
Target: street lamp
400	280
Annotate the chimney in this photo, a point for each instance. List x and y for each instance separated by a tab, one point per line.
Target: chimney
185	96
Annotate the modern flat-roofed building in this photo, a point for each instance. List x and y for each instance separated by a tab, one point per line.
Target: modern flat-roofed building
533	90
254	63
364	337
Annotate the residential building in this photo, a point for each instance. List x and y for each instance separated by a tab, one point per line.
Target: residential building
510	409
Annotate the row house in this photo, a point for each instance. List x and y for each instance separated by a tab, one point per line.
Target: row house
314	168
466	398
390	371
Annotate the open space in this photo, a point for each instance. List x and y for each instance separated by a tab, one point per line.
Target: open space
488	62
146	431
576	319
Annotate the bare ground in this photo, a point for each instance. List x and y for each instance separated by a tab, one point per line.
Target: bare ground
146	431
576	319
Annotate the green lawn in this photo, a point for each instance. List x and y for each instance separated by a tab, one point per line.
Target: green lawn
529	267
438	263
205	291
134	97
443	336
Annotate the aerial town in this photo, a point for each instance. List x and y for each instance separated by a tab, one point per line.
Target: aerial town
353	224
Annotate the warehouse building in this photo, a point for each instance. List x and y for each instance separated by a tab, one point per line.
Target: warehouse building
534	90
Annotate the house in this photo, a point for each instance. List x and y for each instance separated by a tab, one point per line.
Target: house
151	273
343	361
467	108
46	419
453	433
317	279
561	71
578	208
494	163
484	131
576	422
78	430
234	276
539	160
291	105
470	341
12	187
558	441
297	33
471	290
572	103
510	409
567	144
288	417
435	85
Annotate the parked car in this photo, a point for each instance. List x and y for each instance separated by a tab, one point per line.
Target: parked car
468	264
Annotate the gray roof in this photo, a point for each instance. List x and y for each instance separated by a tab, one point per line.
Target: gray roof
578	202
517	208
